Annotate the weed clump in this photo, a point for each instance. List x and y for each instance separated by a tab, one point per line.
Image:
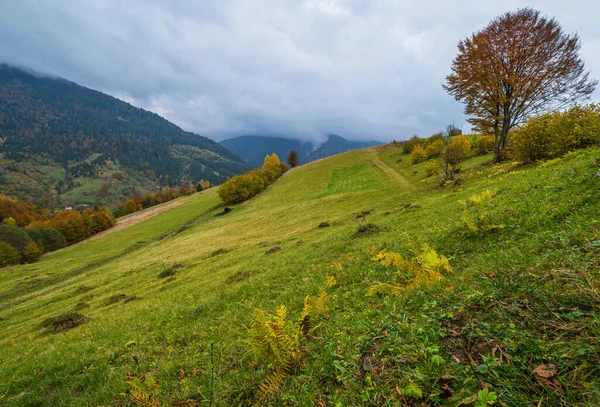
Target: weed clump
219	251
64	322
366	229
273	249
113	299
239	276
170	272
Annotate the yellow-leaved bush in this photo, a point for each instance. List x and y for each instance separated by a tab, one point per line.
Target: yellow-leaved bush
425	266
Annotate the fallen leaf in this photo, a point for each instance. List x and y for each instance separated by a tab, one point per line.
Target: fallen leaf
547	375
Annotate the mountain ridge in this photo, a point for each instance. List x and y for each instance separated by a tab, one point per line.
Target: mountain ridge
253	148
77	132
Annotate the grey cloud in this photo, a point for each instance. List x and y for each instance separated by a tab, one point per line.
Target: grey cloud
361	69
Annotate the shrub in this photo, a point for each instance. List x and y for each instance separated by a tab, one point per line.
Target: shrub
484	144
456	151
417	154
241	188
49	239
14	236
8	255
71	224
433	168
272	163
553	134
435	149
128	207
409	144
31	252
97	220
532	141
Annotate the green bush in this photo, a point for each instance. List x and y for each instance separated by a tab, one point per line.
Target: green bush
435	149
532	141
8	255
433	168
241	188
484	144
31	252
14	236
49	239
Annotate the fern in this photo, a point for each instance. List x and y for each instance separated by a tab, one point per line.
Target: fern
426	266
383	289
477	216
144	393
276	339
271	385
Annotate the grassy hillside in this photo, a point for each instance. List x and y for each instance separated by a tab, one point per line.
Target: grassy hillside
169	300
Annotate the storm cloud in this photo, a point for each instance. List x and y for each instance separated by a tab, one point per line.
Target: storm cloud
368	70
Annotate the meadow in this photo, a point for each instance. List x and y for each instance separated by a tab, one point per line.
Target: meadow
164	306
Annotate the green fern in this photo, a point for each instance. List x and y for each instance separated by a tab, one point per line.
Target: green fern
477	215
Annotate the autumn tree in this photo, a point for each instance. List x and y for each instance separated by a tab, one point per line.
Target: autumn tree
292	158
520	64
457	150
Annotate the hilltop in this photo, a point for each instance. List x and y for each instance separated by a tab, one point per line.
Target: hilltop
160	311
62	144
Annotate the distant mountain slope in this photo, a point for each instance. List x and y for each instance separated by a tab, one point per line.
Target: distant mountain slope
85	132
335	145
252	149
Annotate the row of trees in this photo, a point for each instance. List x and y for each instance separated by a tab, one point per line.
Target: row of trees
137	203
243	187
26	243
520	65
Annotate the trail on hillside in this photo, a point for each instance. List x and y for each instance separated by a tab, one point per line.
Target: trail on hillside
379	163
137	217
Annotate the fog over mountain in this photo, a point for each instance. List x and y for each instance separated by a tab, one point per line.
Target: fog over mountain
367	70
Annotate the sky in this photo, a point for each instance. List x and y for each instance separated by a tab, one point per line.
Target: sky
363	69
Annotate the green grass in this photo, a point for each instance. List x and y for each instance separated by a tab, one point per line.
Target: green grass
519	297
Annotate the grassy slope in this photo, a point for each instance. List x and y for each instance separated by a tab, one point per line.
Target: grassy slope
528	292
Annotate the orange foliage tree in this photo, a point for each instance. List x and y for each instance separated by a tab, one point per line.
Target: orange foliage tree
521	63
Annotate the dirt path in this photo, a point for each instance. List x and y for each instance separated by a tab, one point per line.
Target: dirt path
389	170
135	218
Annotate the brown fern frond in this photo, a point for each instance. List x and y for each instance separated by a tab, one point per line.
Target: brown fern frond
183	403
271	385
141	399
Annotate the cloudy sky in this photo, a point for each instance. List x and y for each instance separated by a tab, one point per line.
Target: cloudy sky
299	68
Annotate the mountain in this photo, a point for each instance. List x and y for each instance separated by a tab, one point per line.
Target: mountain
253	149
335	145
58	136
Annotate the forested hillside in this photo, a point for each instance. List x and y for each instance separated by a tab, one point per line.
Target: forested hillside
53	132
